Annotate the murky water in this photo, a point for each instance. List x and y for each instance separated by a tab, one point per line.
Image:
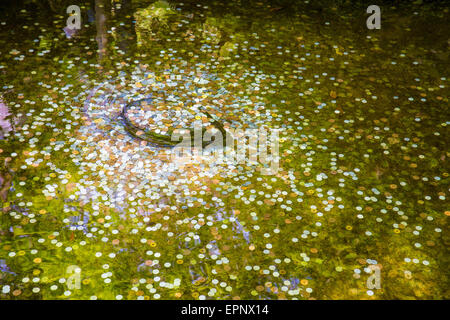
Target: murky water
90	211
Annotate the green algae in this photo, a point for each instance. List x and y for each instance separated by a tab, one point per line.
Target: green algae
400	162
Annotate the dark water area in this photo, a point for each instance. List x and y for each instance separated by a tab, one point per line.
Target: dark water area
359	197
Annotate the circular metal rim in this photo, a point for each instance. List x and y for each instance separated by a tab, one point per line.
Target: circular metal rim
161	140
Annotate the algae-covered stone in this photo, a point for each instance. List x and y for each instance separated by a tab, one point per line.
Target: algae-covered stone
153	18
211	31
227	49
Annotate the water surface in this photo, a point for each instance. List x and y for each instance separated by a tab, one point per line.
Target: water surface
363	179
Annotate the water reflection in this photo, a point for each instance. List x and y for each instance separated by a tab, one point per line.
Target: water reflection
362	180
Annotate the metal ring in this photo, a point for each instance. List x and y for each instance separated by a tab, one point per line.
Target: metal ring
159	139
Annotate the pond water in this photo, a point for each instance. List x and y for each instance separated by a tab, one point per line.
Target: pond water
357	209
